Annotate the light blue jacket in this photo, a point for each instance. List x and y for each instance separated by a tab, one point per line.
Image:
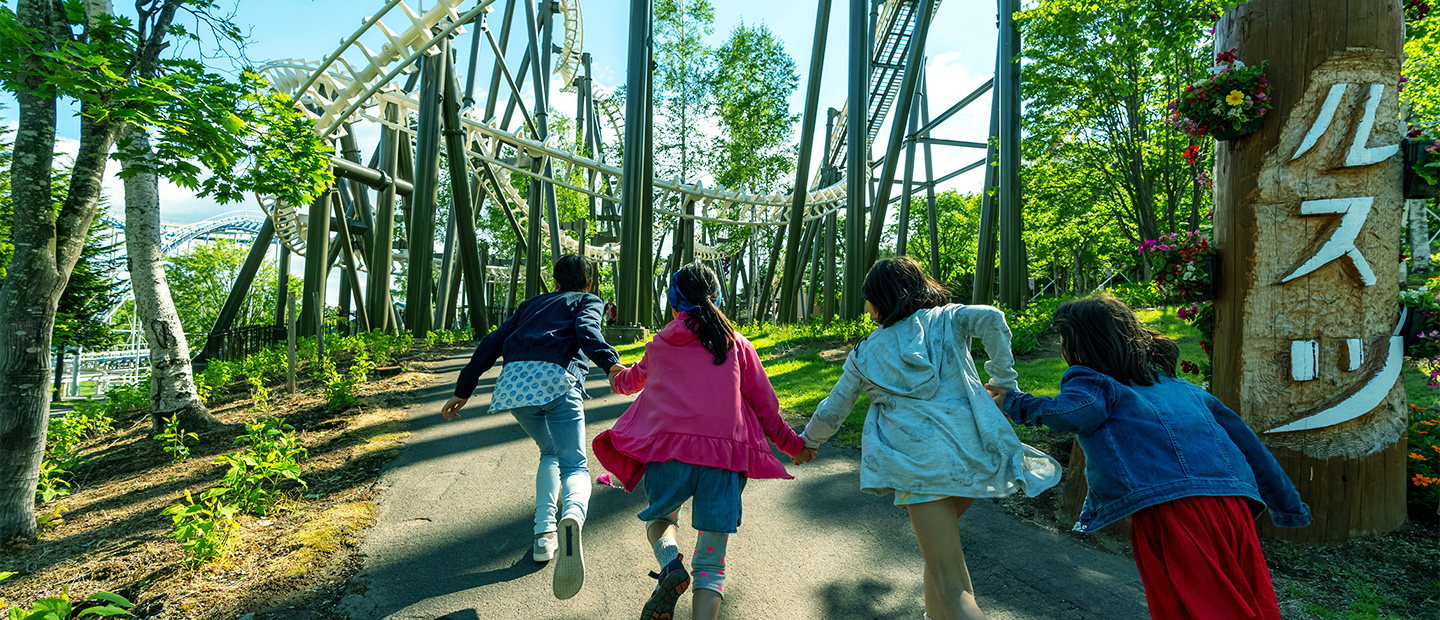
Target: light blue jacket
932	428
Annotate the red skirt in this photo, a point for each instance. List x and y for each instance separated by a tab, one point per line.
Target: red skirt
1200	559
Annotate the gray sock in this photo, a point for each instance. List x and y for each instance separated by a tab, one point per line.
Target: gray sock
666	550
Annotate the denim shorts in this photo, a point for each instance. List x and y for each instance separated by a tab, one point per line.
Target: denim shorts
716	491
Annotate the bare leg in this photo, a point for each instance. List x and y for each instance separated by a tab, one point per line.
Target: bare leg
707	605
949	595
660	529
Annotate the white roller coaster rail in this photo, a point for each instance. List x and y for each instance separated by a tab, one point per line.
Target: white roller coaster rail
344	91
172	237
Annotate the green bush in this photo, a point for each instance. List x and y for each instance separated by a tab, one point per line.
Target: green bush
271	457
1028	327
61	608
1141	295
176	439
203	528
53	482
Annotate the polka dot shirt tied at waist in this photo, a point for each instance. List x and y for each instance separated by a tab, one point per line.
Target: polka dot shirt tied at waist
527	383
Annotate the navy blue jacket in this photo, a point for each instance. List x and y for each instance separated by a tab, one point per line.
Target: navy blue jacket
1147	445
555	327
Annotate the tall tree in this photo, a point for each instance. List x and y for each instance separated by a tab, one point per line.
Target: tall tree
1109	112
681	90
751	87
113	67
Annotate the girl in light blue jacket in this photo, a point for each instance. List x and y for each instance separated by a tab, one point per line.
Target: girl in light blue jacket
933	435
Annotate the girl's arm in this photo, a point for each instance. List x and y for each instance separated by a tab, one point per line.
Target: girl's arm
632	379
834	409
988	324
1286	509
587	332
485	355
1080	407
755	388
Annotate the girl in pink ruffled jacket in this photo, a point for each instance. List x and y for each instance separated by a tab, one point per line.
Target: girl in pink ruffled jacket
699	430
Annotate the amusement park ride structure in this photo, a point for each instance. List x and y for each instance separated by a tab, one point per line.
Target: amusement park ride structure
409	86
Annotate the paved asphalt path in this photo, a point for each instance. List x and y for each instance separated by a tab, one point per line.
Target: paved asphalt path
454	532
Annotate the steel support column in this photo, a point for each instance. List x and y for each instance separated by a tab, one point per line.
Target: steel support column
317	263
790	278
983	292
856	160
904	101
462	204
377	282
903	230
351	272
931	215
627	277
236	298
421	247
1013	283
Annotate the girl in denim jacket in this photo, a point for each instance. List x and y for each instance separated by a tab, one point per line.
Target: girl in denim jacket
702	427
932	434
1188	469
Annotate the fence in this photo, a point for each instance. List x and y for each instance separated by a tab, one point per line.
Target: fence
237	343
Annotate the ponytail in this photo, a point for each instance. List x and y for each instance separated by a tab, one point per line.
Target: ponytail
695	290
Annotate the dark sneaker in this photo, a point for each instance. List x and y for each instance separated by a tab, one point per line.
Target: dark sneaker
569	561
673	583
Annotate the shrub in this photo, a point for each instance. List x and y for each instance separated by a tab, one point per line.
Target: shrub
52	482
175	440
1028	327
1423	462
256	473
203	528
1140	295
61	608
339	389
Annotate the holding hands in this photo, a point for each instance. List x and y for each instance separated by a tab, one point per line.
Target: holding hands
804	456
998	393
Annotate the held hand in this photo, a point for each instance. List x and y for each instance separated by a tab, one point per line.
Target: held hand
451	410
614	372
805	456
998	394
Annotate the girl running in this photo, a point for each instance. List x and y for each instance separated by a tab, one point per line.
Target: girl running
698	431
932	434
1160	448
542	385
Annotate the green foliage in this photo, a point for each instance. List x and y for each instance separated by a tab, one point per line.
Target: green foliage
61	607
256	474
1423	459
176	440
751	87
1028	327
1227	96
64	438
52	482
201	277
203	528
339	388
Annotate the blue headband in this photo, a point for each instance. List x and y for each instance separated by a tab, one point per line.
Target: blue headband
678	302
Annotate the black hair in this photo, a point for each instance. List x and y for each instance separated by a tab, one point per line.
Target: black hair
1103	333
572	273
898	286
700	286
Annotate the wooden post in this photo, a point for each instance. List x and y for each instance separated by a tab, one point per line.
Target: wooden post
1308	223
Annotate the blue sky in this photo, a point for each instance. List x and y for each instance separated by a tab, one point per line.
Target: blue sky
960	50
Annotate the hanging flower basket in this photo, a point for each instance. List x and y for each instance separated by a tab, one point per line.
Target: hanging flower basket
1228	102
1422	167
1230	133
1187	268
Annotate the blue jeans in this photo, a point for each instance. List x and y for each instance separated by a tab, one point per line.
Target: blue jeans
558	428
716	492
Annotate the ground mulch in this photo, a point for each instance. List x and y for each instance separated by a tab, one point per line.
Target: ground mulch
111	535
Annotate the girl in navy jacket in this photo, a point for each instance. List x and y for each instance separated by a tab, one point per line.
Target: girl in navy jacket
1187	468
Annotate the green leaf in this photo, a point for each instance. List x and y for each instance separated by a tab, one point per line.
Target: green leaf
113	598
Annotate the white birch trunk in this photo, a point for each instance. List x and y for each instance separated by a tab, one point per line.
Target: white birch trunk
1419	235
172	384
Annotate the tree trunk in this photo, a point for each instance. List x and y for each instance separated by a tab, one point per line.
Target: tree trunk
1419	235
172	385
1308	214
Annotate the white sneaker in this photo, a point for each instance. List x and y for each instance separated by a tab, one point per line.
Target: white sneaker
570	563
545	547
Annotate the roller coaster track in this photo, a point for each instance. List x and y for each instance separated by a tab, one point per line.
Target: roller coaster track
173	237
352	82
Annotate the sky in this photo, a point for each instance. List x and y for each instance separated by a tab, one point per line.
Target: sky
960	52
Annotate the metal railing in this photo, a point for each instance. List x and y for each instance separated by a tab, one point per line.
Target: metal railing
236	344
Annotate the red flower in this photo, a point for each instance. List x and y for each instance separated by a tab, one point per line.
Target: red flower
1192	153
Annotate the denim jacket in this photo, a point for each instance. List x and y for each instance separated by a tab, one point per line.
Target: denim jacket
1147	445
560	327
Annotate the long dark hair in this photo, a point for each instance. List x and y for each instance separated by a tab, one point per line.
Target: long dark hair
898	286
695	288
1102	332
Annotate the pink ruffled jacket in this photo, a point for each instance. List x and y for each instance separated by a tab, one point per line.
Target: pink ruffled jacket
696	412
